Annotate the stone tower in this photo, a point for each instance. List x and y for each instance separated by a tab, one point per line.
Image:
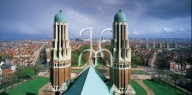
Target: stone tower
120	72
60	64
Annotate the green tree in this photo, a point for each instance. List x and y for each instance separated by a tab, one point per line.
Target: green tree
24	73
156	79
29	72
75	55
74	59
36	69
136	60
2	57
158	60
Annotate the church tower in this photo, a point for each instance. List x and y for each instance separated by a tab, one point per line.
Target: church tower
120	72
60	64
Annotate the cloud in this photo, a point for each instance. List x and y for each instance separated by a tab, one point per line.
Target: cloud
98	7
145	18
23	28
164	29
112	2
138	33
168	9
181	29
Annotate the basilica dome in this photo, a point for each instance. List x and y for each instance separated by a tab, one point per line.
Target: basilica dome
120	17
60	17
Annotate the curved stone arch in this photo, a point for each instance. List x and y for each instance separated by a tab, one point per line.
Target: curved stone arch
91	33
100	48
105	30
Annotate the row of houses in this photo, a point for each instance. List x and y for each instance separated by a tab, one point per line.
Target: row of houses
179	67
21	53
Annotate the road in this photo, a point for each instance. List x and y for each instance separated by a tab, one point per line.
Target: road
38	53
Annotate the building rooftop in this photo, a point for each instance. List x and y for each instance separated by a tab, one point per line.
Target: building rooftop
90	82
5	71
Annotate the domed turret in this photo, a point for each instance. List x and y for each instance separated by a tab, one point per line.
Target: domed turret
60	17
120	17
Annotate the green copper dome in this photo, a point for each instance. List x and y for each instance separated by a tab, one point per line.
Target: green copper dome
120	17
60	17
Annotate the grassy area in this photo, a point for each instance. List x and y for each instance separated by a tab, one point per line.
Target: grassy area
29	88
138	72
76	70
102	70
138	89
133	65
99	63
163	88
77	64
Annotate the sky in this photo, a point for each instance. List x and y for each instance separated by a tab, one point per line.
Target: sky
29	19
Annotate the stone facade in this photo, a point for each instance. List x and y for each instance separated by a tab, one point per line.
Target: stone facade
60	63
120	72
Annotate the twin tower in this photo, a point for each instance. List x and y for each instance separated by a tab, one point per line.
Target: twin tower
60	64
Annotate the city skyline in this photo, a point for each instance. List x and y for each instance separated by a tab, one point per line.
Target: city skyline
154	19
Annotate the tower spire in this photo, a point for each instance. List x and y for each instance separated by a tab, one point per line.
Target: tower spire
120	72
60	64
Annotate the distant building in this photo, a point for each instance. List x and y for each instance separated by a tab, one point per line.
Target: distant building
178	67
7	74
167	45
1	63
175	45
154	44
78	39
147	45
173	66
160	45
13	67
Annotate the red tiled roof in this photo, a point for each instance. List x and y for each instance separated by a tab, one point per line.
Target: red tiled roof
7	71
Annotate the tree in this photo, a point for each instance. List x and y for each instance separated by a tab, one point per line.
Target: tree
74	59
136	60
29	72
2	57
158	59
24	73
75	55
156	79
36	68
